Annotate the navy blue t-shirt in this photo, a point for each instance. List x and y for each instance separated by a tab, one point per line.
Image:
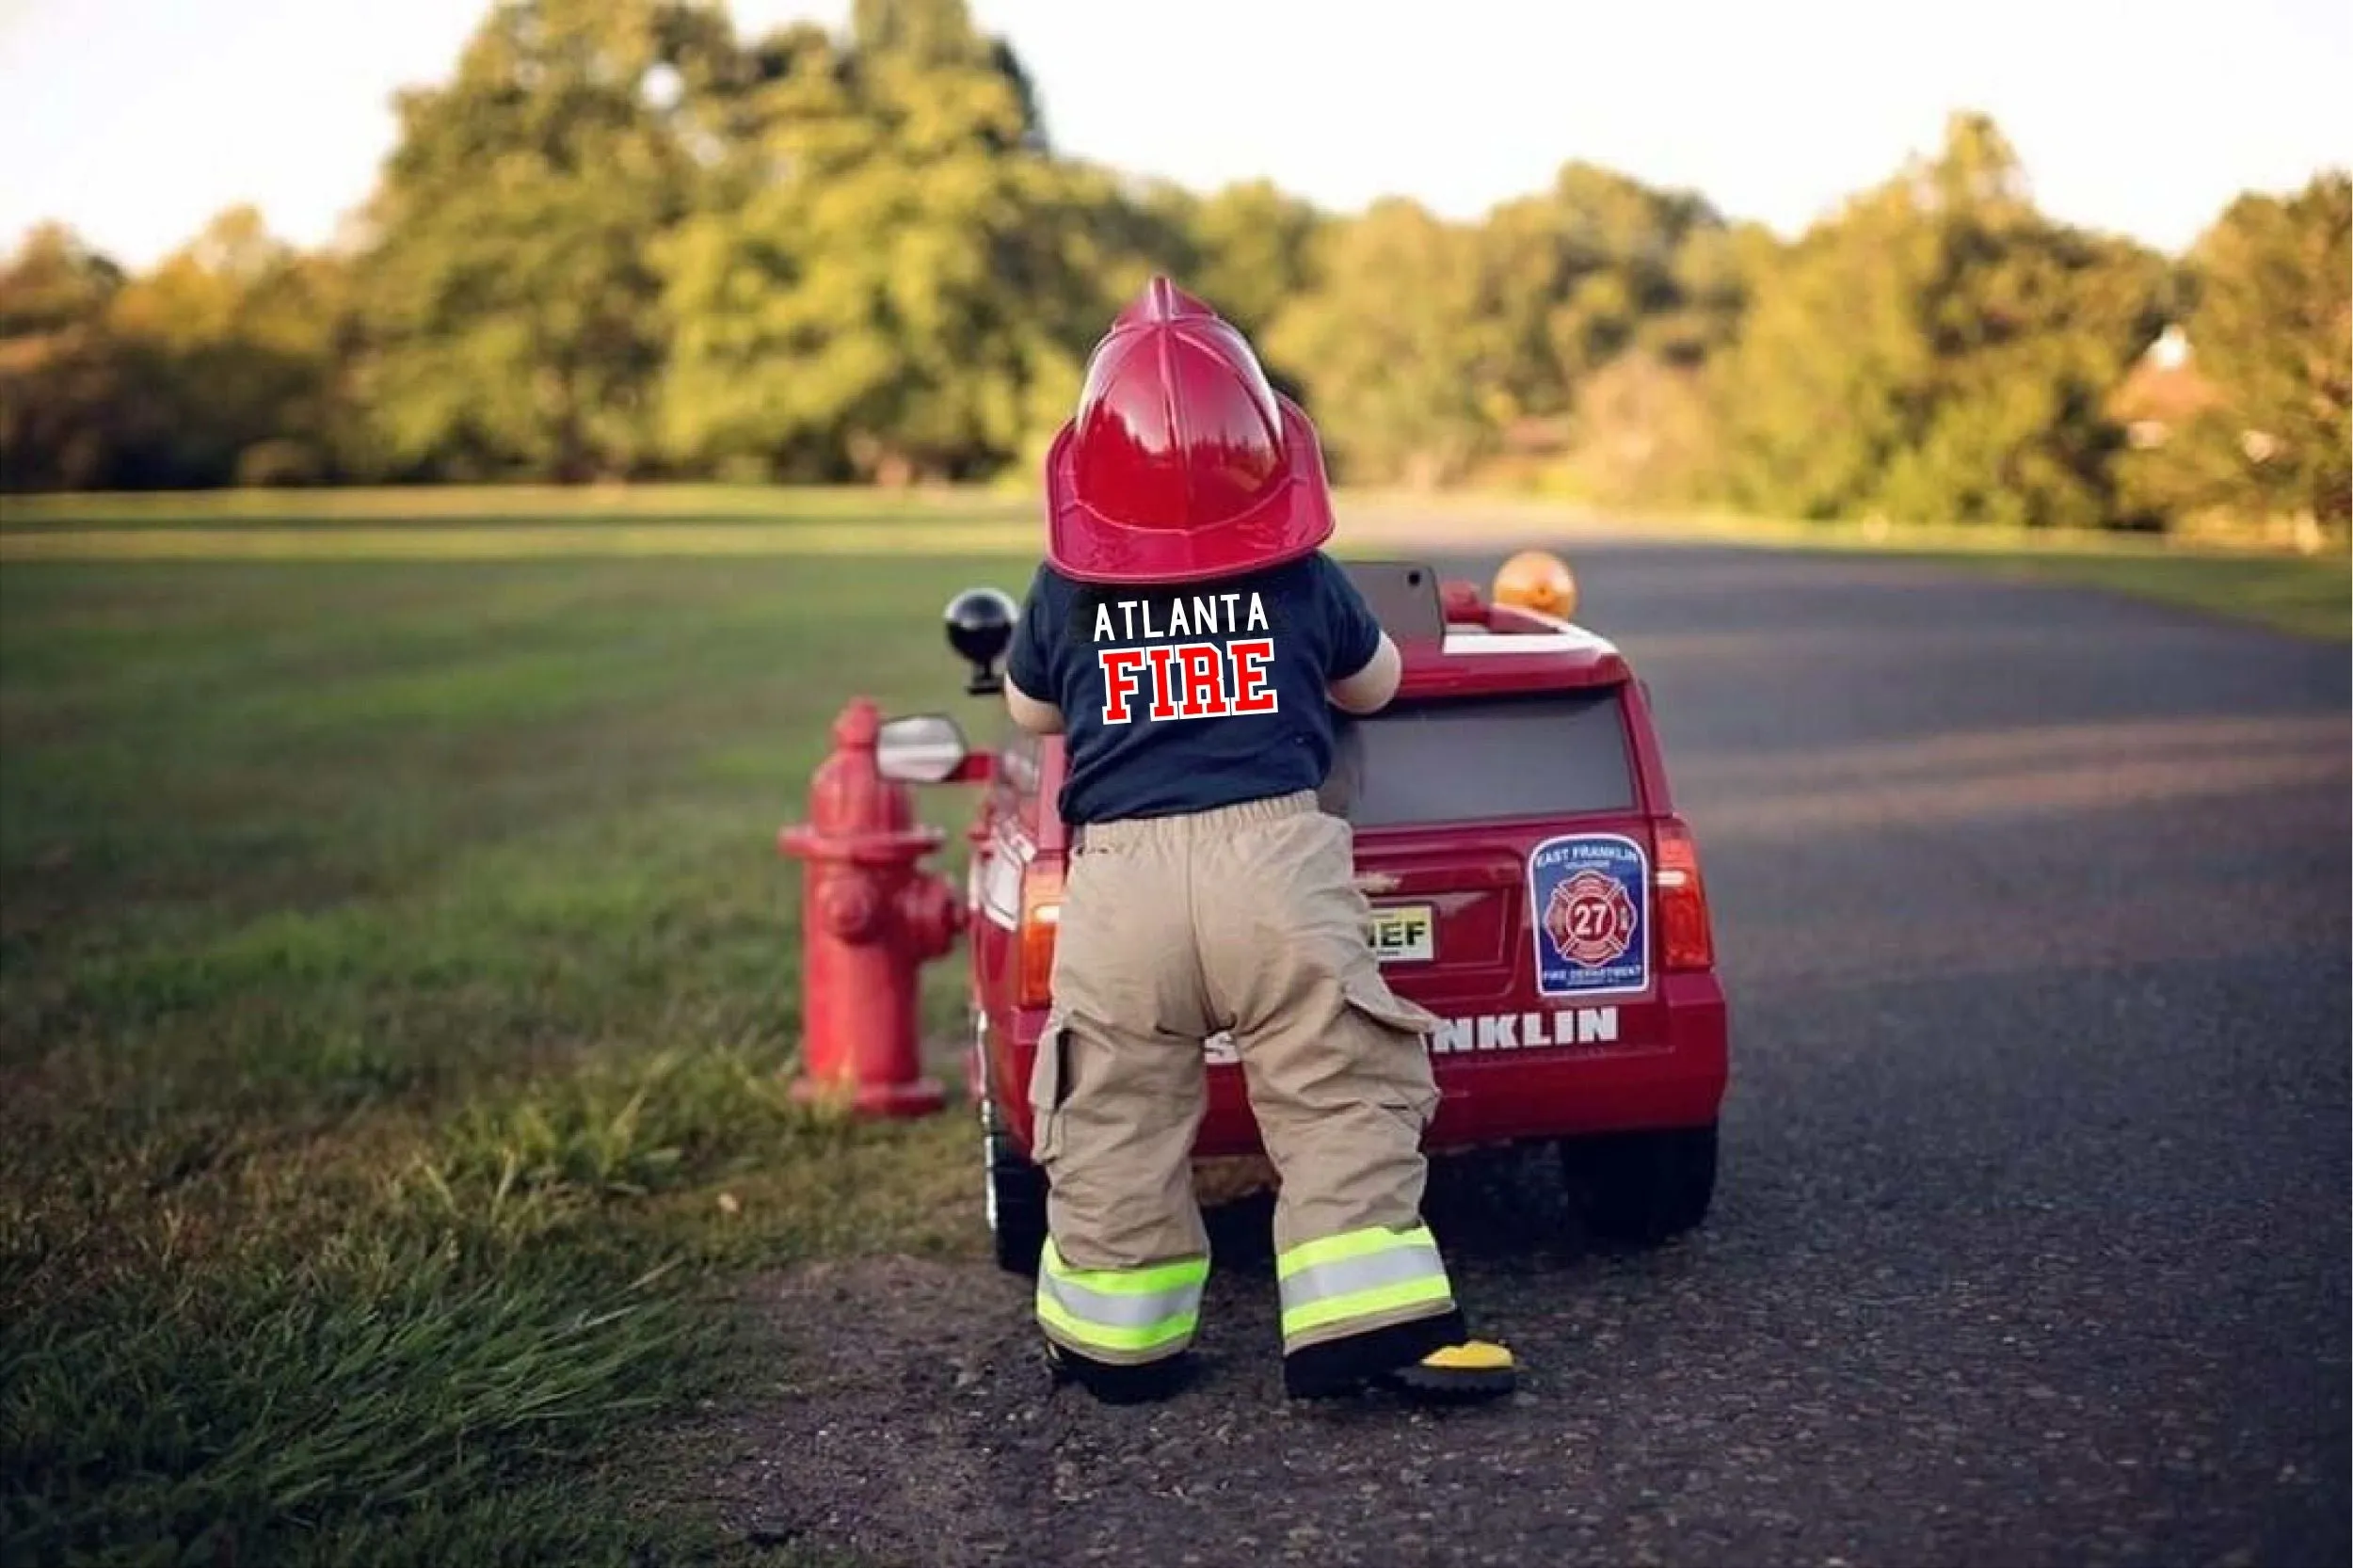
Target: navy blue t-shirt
1183	698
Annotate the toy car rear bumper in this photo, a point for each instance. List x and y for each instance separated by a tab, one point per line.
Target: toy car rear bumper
1675	1078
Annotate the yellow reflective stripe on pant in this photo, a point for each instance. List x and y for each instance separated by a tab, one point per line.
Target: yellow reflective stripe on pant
1121	1315
1368	1274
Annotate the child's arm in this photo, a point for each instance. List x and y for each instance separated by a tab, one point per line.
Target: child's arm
1369	689
1039	718
1362	665
1030	661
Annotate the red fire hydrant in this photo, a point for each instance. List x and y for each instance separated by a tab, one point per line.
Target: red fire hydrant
870	920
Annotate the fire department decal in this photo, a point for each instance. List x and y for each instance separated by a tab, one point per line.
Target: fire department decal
1589	900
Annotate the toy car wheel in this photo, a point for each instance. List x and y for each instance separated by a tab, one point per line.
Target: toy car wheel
1645	1187
1014	1196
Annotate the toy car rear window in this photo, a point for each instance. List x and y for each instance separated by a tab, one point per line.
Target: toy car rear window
1556	754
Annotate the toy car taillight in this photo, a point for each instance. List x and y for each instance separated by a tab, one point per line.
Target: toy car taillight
1041	918
1685	937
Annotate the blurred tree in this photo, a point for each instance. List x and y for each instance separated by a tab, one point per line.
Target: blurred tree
1939	350
923	37
2034	329
1641	433
58	370
1246	248
230	352
929	32
53	284
508	298
1255	247
1393	347
1713	268
217	367
1599	265
2270	335
1636	272
1600	269
892	281
1812	402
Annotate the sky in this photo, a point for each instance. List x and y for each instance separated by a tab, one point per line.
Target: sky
135	120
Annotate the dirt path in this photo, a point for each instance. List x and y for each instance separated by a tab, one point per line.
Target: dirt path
914	1424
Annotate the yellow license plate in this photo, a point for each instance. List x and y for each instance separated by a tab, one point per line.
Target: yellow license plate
1405	934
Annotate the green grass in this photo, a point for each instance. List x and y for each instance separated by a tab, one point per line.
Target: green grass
507	505
396	1001
2307	596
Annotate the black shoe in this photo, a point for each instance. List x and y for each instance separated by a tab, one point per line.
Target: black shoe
1115	1383
1337	1368
1433	1360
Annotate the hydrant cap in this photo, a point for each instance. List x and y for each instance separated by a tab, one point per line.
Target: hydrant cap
848	796
859	727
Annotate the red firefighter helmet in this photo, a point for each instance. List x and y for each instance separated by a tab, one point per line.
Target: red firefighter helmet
1182	462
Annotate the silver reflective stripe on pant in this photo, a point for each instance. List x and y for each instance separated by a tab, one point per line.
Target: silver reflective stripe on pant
1121	1315
1374	1273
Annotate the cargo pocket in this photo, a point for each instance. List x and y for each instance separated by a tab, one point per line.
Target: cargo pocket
1401	1069
1049	1089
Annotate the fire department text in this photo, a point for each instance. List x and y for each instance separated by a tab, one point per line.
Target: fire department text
1187	680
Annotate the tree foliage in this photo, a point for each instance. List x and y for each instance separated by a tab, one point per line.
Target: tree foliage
622	240
894	279
507	300
2272	326
1393	351
217	367
57	367
1939	349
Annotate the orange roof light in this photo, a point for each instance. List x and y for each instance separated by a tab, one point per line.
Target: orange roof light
1540	581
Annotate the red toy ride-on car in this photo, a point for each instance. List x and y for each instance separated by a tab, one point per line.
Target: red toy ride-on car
1530	883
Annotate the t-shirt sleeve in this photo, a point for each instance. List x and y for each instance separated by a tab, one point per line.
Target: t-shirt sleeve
1030	661
1351	632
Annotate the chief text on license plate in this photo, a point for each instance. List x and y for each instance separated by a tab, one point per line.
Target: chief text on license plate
1405	934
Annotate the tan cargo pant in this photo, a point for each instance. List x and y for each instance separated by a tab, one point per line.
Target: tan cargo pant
1243	918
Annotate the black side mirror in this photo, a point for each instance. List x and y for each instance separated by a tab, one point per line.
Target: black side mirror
980	625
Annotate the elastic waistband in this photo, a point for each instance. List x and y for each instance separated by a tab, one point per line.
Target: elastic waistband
1137	830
